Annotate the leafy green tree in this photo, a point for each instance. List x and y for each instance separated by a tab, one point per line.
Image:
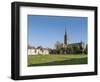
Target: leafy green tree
77	49
86	49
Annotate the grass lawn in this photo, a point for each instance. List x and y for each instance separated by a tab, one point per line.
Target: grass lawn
45	60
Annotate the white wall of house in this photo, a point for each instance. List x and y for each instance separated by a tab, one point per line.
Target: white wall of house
46	52
37	51
31	52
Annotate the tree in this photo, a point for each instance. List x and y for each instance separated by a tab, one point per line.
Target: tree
51	51
86	49
70	49
58	47
77	49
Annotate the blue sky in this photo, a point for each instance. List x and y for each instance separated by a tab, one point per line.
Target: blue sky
47	30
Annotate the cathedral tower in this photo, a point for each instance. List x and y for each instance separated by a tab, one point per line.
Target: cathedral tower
65	39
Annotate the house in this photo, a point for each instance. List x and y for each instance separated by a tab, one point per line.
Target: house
38	51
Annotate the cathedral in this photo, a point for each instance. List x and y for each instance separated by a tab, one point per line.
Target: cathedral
71	48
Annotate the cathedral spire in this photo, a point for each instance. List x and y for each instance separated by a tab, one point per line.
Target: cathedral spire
65	30
65	37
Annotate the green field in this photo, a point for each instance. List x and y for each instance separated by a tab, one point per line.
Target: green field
45	60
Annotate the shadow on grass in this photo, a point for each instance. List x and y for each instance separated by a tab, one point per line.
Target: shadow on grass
65	62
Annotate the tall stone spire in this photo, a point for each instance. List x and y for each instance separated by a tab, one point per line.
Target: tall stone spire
65	37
